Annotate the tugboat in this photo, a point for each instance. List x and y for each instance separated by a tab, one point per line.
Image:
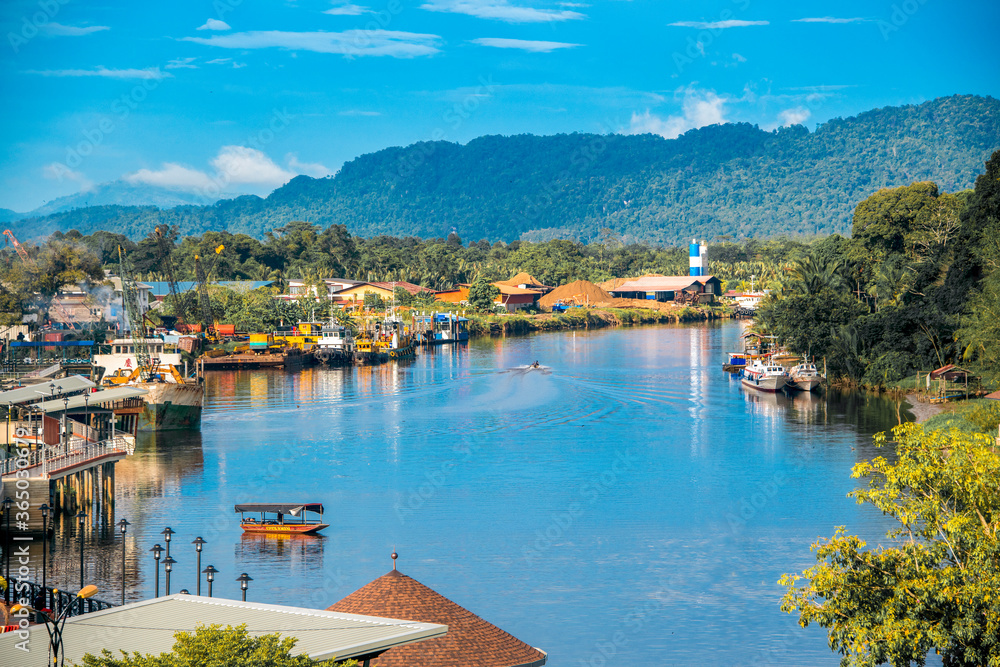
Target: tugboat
335	345
172	402
278	525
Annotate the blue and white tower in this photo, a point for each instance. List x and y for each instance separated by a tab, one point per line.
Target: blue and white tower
696	258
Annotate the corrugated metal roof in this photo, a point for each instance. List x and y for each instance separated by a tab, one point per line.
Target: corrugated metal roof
35	391
655	284
149	626
96	398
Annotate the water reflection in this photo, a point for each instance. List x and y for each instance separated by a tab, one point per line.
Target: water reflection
469	473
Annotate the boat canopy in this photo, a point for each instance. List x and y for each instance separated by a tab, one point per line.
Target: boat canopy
285	508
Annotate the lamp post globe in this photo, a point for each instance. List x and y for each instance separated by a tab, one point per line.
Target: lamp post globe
44	509
81	517
123	527
198	543
157	550
167	533
209	573
168	567
244	580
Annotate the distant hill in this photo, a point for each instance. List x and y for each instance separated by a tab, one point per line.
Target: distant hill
119	193
6	215
733	179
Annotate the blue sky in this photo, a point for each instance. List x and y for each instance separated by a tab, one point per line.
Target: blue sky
240	95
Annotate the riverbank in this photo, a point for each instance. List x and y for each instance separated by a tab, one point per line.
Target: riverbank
921	409
589	318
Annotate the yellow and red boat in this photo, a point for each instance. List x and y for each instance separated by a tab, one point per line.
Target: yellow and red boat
278	525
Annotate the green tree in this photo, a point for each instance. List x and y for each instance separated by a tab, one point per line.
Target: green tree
482	295
805	322
374	301
937	587
215	646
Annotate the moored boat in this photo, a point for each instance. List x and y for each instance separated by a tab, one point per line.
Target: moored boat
764	376
173	401
278	525
805	377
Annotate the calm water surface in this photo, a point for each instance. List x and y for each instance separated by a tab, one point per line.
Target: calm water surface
632	501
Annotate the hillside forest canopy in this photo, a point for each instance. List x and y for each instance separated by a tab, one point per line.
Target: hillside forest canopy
734	179
916	286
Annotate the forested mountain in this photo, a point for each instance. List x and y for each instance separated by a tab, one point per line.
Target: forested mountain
732	179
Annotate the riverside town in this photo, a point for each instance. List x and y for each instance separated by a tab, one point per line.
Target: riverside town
499	333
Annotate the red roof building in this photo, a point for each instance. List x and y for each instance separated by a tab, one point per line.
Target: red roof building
470	641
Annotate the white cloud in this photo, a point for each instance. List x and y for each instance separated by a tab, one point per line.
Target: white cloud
359	112
831	19
314	169
347	10
795	116
148	73
61	30
239	164
523	44
739	58
181	63
239	65
717	25
500	10
57	171
233	165
172	175
219	61
700	108
214	24
348	43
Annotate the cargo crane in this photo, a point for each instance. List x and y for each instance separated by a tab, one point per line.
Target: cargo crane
207	319
30	263
136	319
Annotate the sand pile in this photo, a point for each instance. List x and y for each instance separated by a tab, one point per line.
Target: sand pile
582	292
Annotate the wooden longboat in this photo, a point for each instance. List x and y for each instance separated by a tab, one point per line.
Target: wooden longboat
278	525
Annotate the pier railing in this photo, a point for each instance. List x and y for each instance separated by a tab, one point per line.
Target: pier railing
55	458
57	600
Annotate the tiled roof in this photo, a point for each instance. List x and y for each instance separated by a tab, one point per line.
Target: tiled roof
470	642
521	279
657	284
409	287
509	289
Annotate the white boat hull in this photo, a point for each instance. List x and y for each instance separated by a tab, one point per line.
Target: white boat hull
768	383
806	383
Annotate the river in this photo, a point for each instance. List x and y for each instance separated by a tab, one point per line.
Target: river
631	504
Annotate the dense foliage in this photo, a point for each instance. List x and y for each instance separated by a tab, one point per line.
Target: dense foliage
732	179
914	288
936	587
215	646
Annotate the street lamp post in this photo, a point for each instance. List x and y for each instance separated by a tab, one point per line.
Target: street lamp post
123	526
54	626
167	532
7	502
44	509
86	415
198	544
80	517
157	550
168	567
65	425
244	580
210	576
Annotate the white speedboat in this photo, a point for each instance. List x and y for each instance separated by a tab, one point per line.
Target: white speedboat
764	376
805	377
